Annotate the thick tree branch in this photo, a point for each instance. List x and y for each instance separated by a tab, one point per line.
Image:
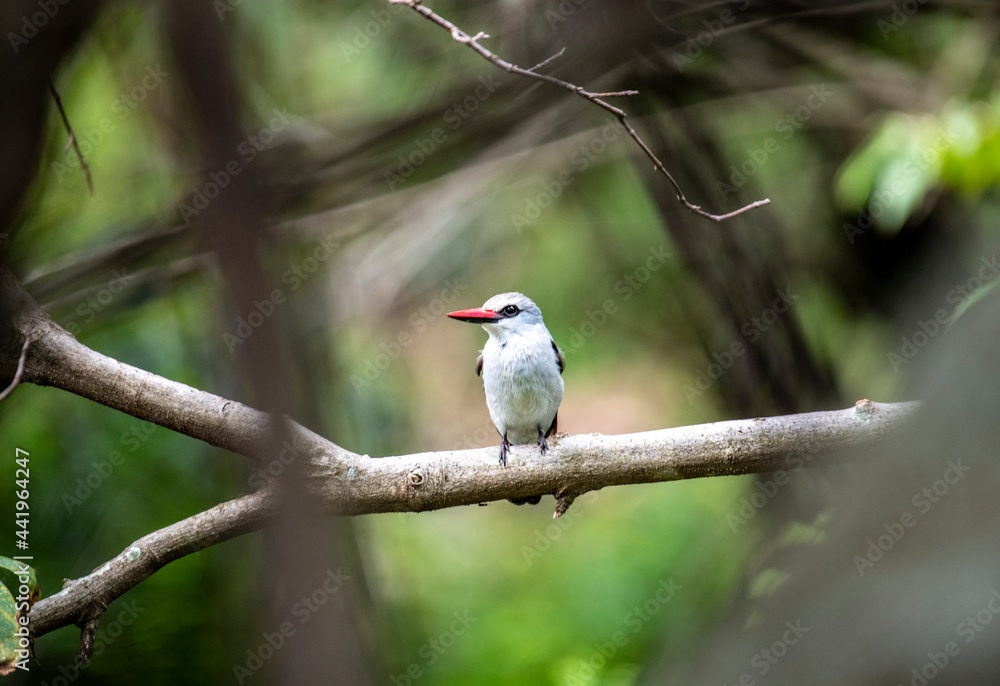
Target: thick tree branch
351	484
598	99
57	359
346	483
425	481
577	464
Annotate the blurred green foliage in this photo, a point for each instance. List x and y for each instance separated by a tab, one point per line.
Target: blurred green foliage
908	155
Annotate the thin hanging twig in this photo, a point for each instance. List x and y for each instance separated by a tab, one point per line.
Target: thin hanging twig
20	370
72	137
597	98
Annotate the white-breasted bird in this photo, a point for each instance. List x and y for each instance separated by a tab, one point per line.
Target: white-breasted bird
521	369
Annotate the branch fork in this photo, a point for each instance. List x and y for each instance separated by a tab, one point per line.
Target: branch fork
346	483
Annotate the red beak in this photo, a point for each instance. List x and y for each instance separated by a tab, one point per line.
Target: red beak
477	315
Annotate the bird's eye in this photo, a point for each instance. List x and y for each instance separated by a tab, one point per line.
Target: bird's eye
510	310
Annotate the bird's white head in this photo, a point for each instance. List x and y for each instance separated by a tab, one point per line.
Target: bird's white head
504	314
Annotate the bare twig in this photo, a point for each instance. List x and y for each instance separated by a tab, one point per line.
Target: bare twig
88	632
72	137
20	370
461	36
563	500
547	60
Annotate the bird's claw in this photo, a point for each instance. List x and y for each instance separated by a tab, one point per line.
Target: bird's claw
504	447
543	444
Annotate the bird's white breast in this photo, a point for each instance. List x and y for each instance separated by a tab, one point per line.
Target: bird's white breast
523	384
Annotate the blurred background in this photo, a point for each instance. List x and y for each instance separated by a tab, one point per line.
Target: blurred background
401	177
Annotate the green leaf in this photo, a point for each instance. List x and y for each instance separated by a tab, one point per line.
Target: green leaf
8	632
12	578
11	573
767	582
894	169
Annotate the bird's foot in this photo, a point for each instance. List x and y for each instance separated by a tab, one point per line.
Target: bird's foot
543	444
504	447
